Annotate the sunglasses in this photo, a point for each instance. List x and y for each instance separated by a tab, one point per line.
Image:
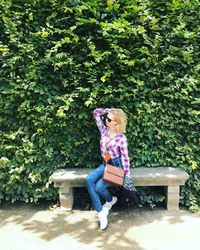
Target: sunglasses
107	118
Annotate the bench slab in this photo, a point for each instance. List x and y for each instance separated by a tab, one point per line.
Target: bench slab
68	178
160	176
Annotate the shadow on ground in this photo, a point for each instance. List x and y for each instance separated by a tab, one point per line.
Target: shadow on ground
83	226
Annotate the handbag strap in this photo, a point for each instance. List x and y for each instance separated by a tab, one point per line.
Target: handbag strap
119	151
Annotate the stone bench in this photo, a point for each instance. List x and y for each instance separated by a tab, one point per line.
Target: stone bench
171	178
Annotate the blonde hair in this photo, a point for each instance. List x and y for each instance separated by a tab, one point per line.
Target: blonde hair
121	118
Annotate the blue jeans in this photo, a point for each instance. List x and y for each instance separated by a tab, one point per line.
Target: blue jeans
97	187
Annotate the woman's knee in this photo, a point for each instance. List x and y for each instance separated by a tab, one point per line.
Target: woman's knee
89	180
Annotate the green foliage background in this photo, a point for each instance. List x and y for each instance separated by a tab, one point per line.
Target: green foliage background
60	59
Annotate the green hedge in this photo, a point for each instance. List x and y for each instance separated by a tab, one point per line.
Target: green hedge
60	59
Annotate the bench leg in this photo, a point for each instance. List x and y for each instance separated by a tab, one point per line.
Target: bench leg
172	197
66	196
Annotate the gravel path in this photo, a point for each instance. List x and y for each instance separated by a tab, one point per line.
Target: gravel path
39	228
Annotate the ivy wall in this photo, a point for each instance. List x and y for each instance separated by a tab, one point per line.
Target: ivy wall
60	59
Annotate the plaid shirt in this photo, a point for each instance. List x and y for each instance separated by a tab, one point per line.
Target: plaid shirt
117	146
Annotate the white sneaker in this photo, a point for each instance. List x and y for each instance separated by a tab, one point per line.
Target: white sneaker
108	205
103	219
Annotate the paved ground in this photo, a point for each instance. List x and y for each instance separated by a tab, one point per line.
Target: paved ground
37	228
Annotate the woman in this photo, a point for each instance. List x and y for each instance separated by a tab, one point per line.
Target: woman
114	151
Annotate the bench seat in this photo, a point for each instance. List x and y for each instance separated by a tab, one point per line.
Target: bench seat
172	178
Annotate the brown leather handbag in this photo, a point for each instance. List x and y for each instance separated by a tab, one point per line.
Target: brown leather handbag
113	175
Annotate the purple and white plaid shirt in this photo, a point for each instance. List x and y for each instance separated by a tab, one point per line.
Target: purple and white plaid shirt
117	146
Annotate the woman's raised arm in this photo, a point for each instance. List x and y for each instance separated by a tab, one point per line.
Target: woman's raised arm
97	116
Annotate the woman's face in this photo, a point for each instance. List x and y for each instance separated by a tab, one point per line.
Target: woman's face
110	120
